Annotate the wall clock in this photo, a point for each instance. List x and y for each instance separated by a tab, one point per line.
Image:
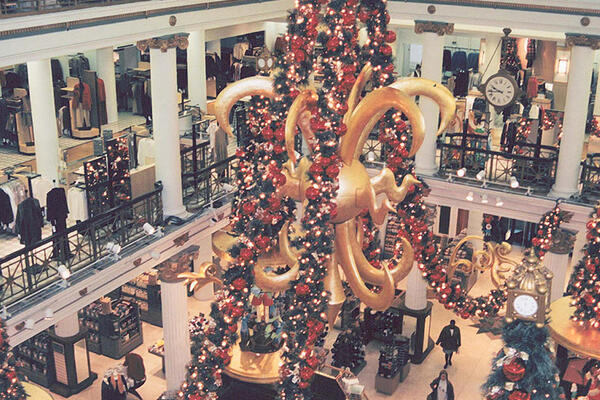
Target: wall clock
501	90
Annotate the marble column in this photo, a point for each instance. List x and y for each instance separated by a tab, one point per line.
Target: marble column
196	67
175	316
205	254
431	68
557	261
45	129
67	327
165	120
474	227
576	108
416	289
106	71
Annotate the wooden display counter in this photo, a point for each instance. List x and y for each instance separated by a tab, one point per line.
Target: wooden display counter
568	334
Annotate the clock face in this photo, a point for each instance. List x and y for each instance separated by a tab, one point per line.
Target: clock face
500	91
525	305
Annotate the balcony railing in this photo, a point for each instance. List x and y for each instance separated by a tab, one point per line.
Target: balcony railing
203	187
35	267
195	158
590	177
534	167
24	7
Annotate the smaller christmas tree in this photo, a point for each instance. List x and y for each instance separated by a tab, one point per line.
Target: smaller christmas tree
348	350
584	284
523	369
10	387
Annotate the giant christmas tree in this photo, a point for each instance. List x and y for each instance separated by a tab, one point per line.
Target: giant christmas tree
523	369
584	284
10	387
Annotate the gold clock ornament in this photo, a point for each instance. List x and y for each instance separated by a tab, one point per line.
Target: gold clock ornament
529	291
501	90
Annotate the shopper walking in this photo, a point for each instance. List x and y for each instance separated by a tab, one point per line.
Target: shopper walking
441	388
135	372
124	378
449	339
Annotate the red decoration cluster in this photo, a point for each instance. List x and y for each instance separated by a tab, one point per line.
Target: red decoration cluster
10	387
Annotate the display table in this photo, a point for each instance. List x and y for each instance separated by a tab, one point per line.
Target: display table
585	342
35	392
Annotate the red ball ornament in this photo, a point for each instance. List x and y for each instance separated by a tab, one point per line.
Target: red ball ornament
315	168
388	69
514	370
303	385
246	254
267	133
274	203
297	43
519	395
248	208
390	37
387	17
239	284
312	362
278	149
280	132
235	312
299	55
306	373
312	193
363	16
332	171
262	242
194	396
589	299
302	289
348	69
386	50
333	42
348	19
280	179
342	128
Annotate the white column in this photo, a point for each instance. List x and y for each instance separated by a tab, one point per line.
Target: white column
416	289
67	327
576	108
165	124
196	67
431	68
474	227
106	71
580	242
205	254
175	332
491	60
558	263
597	98
45	129
453	222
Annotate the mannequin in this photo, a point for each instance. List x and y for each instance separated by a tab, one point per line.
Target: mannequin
57	211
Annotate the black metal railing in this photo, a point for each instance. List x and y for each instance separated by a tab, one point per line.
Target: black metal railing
203	187
24	7
35	267
590	176
534	166
195	158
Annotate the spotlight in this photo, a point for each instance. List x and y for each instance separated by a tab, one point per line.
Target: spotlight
114	249
470	196
529	191
371	156
48	313
499	202
155	254
461	172
4	314
514	183
29	324
480	175
148	229
484	199
64	272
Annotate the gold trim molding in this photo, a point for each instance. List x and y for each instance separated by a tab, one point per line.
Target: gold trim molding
441	28
576	39
163	43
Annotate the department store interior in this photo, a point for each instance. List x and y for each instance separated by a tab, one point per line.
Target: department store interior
353	199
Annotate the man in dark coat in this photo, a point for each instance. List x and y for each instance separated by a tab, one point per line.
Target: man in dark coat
449	339
441	388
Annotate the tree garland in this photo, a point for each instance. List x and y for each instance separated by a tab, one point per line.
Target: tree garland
583	284
258	214
10	387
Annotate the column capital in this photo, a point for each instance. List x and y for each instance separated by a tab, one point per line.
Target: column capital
163	43
170	269
440	28
579	39
562	242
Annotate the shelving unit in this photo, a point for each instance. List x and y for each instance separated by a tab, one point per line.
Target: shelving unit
145	291
36	360
89	318
121	329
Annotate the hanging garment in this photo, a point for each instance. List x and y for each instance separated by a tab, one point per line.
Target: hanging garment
531	52
86	97
64	121
77	204
6	212
532	87
473	61
29	221
447	60
145	152
279	44
462	84
247	71
211	66
12	80
474	80
4	114
16	192
57	72
146	99
40	188
22	72
101	92
459	61
56	201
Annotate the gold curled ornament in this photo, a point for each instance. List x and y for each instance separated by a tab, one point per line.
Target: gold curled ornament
205	274
493	257
357	190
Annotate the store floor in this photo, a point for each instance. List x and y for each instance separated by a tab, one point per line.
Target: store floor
469	370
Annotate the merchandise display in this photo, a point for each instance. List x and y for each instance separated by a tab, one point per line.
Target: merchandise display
35	359
145	291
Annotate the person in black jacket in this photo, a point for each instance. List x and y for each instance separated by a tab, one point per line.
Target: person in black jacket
449	339
441	388
29	221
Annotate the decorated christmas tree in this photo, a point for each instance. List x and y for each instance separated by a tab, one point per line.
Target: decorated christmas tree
348	349
584	284
523	369
10	387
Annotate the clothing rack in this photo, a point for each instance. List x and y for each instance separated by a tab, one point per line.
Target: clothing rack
461	48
